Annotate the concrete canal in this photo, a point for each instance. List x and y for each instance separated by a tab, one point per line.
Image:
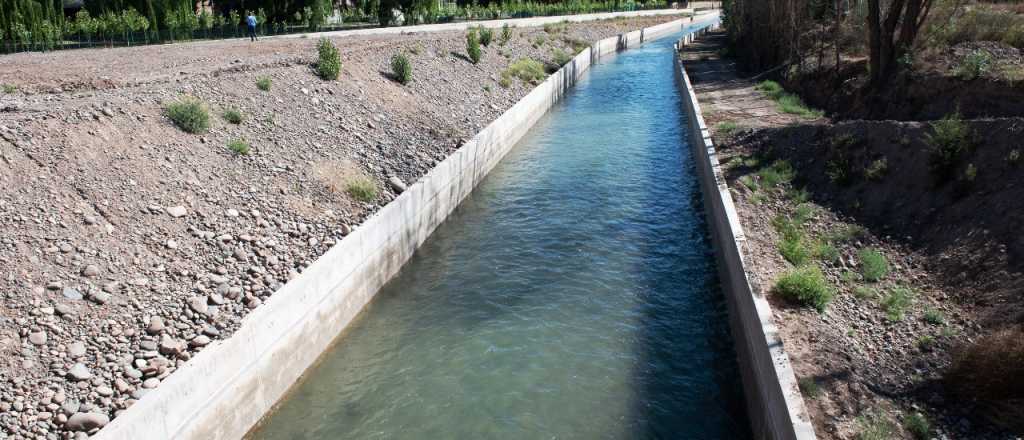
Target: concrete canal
573	295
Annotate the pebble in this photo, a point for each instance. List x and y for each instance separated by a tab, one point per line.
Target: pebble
76	349
232	212
177	211
396	184
99	297
79	372
62	309
91	271
150	383
37	338
84	422
198	304
156	325
104	391
72	293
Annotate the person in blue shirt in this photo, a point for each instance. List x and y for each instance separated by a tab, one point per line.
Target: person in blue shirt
251	21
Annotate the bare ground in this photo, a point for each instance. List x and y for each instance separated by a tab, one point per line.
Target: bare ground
864	369
129	245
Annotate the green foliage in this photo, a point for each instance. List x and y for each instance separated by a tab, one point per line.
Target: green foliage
787	103
190	115
918	426
486	35
895	302
792	244
864	292
809	387
975	65
10	88
506	34
527	70
401	68
361	189
239	147
727	128
473	46
877	169
772	89
926	343
1012	158
776	174
805	285
950	140
934	316
263	83
328	65
874	426
826	252
233	116
873	265
559	57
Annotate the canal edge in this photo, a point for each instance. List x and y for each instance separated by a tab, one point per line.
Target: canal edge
227	388
774	403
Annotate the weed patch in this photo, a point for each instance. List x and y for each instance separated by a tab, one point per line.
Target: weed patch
873	265
874	426
809	387
328	65
895	303
949	141
877	169
190	115
401	68
975	65
264	83
10	88
506	34
934	317
239	147
486	35
787	103
727	128
805	285
527	70
473	46
233	116
362	189
918	425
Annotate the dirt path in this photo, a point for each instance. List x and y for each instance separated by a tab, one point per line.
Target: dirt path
129	245
870	364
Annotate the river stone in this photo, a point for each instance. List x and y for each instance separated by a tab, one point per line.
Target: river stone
91	271
79	372
396	184
177	211
198	304
156	325
76	349
72	293
62	309
37	338
99	297
86	421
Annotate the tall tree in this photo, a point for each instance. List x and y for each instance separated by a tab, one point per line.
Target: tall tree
885	45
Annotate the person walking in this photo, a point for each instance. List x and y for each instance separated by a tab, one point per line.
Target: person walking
251	21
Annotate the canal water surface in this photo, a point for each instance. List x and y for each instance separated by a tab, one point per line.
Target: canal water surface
573	295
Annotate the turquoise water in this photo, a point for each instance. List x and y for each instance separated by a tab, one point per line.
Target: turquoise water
573	295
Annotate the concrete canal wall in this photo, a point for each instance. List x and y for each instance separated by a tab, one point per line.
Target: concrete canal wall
774	403
224	390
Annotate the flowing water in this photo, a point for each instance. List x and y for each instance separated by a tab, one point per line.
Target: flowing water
573	295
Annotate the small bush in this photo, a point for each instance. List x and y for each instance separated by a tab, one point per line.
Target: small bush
805	285
794	250
826	252
772	89
1013	158
977	64
926	343
727	128
793	105
233	116
486	35
949	141
777	173
539	41
473	46
10	88
527	69
934	317
239	146
846	234
918	426
876	169
873	265
873	426
559	57
895	302
263	83
328	65
361	189
190	115
506	80
864	292
401	68
506	34
809	387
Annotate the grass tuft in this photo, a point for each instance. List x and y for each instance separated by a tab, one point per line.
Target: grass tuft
362	189
949	141
918	426
328	65
232	115
727	128
873	426
486	35
506	34
263	83
527	70
809	387
239	147
805	285
473	46
895	303
873	264
934	316
401	68
190	115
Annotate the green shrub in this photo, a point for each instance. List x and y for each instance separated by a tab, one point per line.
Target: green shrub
949	141
401	68
506	34
826	252
486	35
190	115
10	88
805	285
926	343
527	69
559	57
727	128
787	103
361	189
975	65
873	426
809	387
506	80
876	169
934	317
328	65
263	83
895	302
539	41
233	116
873	265
864	292
473	46
239	146
772	89
918	426
777	173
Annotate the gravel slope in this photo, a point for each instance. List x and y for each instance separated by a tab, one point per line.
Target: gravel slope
129	244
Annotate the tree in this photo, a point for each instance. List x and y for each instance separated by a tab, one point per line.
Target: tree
885	46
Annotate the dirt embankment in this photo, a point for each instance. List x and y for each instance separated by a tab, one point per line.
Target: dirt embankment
129	245
919	256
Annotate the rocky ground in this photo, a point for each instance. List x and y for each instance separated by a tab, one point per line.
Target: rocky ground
130	245
871	364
